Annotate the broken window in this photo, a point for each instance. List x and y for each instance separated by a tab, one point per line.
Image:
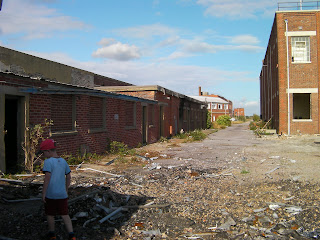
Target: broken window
300	49
301	106
131	114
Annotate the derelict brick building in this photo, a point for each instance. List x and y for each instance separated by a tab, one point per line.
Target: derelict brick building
289	78
85	118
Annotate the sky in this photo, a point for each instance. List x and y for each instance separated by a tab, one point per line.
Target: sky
177	44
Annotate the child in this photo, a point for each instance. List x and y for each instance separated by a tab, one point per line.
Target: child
56	183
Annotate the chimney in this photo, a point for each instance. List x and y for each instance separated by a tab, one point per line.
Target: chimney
200	93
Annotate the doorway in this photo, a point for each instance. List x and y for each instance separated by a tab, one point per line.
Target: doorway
161	122
12	133
144	125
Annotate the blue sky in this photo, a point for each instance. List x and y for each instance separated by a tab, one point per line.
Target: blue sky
178	44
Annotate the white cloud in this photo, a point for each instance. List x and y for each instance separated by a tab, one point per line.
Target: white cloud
117	51
147	31
107	41
244	39
31	21
237	9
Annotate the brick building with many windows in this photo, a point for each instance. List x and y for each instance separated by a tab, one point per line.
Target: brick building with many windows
237	112
289	78
216	105
86	117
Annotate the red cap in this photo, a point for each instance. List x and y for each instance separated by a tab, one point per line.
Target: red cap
47	145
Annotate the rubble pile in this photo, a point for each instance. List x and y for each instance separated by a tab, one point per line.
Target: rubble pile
170	203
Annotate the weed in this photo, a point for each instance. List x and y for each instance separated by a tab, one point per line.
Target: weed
34	135
163	139
77	159
244	171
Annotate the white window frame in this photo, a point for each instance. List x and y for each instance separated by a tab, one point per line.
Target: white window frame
226	106
300	49
214	106
220	106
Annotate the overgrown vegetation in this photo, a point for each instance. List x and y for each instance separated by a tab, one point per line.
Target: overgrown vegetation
34	136
196	135
77	159
224	120
241	118
121	149
209	123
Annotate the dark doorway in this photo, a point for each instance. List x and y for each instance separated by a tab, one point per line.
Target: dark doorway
144	125
11	133
161	122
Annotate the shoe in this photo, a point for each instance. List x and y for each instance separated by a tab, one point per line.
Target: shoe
51	236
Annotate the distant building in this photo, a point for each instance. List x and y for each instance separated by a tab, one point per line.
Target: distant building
216	105
237	112
289	78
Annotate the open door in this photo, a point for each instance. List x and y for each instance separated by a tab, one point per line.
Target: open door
13	133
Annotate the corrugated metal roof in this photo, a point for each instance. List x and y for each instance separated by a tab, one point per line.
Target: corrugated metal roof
210	99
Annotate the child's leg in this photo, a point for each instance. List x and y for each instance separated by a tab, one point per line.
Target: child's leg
67	221
50	220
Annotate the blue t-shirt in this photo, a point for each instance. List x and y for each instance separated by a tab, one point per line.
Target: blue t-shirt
58	167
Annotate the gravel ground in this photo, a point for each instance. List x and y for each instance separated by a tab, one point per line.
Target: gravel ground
232	185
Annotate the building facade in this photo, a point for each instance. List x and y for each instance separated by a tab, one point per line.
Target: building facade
237	112
86	117
216	105
289	78
177	111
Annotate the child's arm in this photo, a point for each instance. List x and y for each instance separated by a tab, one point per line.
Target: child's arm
47	177
68	181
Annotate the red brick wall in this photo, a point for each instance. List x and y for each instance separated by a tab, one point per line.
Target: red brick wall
61	112
95	112
273	78
106	81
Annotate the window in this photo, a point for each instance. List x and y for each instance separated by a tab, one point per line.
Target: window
219	106
151	114
300	49
226	106
130	114
301	106
97	114
214	106
63	113
209	106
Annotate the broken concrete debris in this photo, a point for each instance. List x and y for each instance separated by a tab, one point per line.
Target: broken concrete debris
177	202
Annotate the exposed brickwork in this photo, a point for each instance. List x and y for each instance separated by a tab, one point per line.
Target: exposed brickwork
106	81
238	112
274	77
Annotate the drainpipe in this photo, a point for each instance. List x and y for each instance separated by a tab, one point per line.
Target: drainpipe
288	75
